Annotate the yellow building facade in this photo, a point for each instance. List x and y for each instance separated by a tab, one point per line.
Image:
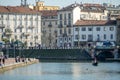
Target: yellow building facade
40	6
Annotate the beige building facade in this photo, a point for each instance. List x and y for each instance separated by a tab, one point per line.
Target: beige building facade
40	6
49	28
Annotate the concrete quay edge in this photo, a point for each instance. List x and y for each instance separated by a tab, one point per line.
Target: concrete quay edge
16	65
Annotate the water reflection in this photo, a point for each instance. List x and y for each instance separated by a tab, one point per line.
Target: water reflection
64	71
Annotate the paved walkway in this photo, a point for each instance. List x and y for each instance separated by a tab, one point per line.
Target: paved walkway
11	61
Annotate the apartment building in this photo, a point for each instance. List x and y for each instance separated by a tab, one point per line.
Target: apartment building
49	28
20	23
69	15
92	31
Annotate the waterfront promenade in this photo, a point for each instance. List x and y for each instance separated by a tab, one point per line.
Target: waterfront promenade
10	63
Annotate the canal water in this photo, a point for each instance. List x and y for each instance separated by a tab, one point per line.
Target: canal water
64	71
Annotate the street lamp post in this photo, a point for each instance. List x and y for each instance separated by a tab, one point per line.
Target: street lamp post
78	38
14	50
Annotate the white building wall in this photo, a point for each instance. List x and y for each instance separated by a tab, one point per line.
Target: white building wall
93	15
103	30
15	20
76	14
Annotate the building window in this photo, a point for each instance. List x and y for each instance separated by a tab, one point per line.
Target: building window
60	16
76	29
111	28
111	36
90	37
64	16
104	28
76	37
15	30
104	36
82	16
65	30
15	36
65	39
69	22
69	31
43	23
65	22
98	37
69	15
55	22
69	39
60	31
20	30
60	22
97	28
83	29
90	29
83	37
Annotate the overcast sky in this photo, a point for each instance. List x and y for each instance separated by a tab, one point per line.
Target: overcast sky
61	3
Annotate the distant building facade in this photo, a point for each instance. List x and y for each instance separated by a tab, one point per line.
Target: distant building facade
20	23
118	30
40	6
92	31
49	28
68	16
113	12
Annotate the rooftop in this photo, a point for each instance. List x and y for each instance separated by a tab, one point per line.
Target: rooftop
70	7
46	13
85	7
94	23
17	9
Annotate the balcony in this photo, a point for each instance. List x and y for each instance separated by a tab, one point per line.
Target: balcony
50	25
31	27
2	25
8	32
60	26
69	25
90	40
20	26
27	34
65	35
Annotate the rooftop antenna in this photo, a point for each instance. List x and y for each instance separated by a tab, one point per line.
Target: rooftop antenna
25	2
21	2
75	2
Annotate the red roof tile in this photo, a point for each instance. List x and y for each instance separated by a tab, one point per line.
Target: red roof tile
94	22
3	9
17	9
46	13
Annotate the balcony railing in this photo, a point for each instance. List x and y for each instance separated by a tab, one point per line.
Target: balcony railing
27	34
50	25
20	26
2	25
69	25
31	27
90	40
60	26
